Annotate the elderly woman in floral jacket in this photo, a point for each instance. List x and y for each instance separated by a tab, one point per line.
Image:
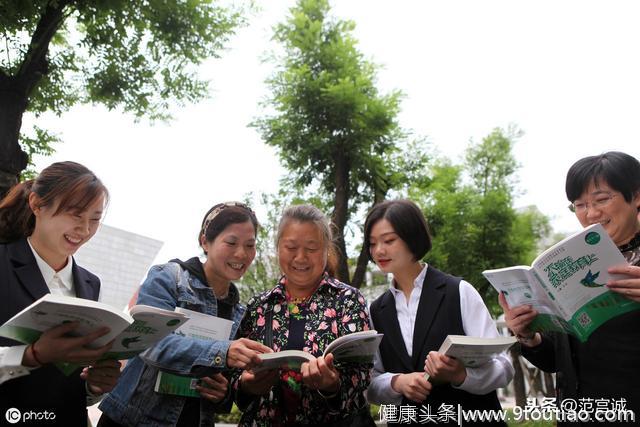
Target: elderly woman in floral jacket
306	310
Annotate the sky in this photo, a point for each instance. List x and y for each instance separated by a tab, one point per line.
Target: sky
566	73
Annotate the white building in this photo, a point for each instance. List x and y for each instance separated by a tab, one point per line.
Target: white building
120	259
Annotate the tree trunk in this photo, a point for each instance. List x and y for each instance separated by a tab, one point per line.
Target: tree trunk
518	379
363	258
361	269
12	159
340	213
15	91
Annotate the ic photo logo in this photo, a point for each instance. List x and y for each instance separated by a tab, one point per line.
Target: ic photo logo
13	415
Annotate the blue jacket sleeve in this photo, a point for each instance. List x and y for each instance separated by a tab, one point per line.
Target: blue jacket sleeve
174	353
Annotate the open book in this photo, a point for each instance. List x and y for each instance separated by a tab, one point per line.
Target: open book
132	332
474	351
200	326
566	284
358	347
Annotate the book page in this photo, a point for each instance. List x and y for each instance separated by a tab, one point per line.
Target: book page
287	359
355	348
519	288
204	326
477	351
54	310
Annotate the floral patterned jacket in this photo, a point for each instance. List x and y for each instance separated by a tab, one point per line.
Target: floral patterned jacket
335	309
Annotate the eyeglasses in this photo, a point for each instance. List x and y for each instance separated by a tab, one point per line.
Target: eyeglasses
215	210
601	201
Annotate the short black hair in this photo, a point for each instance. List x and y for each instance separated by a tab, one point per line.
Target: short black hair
407	221
618	170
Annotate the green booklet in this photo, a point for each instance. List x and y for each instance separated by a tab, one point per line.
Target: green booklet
201	326
566	284
132	332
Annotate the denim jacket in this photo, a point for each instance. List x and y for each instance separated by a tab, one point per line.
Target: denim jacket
133	402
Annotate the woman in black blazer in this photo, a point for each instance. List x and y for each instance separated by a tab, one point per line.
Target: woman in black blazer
42	224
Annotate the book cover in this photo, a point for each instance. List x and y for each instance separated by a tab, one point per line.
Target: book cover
566	284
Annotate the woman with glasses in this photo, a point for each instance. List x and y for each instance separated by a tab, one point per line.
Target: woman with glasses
227	237
602	189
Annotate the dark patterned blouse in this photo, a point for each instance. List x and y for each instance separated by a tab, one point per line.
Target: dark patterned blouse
335	309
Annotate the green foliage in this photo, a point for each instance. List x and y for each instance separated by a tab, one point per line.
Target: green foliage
134	55
325	100
41	144
471	215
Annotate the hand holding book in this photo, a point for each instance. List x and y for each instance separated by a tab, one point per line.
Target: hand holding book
102	376
320	374
467	351
213	388
56	345
630	286
444	369
518	320
575	286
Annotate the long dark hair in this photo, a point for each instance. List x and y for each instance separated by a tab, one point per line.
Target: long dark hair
70	184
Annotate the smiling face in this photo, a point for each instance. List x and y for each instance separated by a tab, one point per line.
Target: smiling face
230	254
390	253
58	236
302	254
618	217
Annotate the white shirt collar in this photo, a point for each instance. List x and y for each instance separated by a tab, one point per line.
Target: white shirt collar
65	275
417	283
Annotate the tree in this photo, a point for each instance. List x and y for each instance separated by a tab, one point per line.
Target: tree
331	126
134	55
470	211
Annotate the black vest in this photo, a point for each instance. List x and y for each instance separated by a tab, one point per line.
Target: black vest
438	316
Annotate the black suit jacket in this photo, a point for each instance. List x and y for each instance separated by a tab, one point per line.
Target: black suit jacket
46	388
438	316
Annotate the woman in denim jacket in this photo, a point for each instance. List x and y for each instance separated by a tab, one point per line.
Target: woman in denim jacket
227	237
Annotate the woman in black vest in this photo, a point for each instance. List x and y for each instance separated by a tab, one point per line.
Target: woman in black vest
43	222
602	189
416	314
